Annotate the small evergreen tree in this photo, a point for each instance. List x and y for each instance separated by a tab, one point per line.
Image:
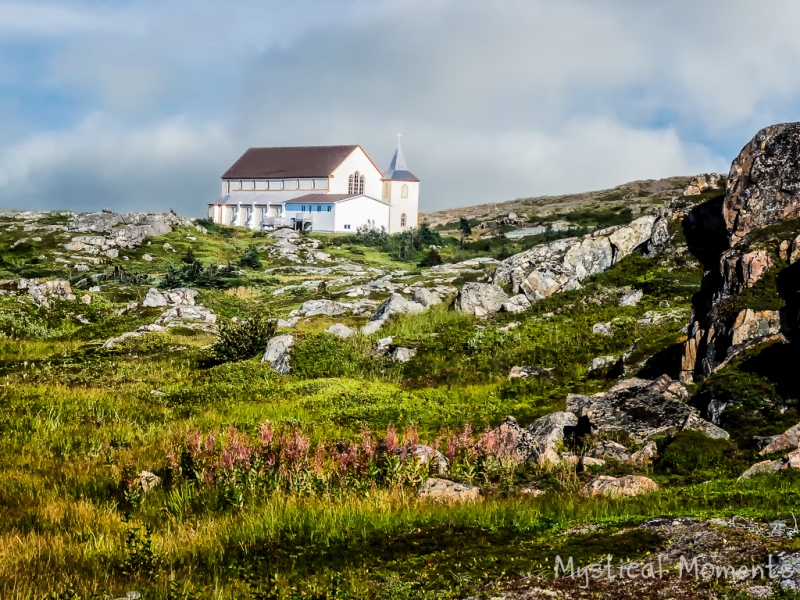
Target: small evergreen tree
427	236
464	228
432	259
189	257
250	258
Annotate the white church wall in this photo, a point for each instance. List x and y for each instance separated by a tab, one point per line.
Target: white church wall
400	206
357	161
358	212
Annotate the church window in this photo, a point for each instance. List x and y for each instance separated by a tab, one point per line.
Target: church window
386	190
404	191
403	220
355	184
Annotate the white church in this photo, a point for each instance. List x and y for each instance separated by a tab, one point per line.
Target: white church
334	189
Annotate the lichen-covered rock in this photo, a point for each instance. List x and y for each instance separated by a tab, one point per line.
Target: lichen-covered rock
340	330
642	408
444	490
396	305
524	372
764	181
788	440
703	183
547	433
509	441
277	353
601	364
630	485
403	355
480	299
608	449
42	293
516	304
426	297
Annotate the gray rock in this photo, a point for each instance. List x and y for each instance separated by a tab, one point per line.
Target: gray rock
372	327
426	297
180	314
436	461
547	432
340	330
516	304
277	353
631	299
509	441
403	355
149	481
381	347
396	305
154	299
630	485
286	234
602	329
287	323
444	490
602	363
328	308
642	408
480	299
608	449
524	372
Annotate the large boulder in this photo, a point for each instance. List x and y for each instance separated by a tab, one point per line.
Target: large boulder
643	409
764	181
182	314
480	299
516	304
328	308
788	440
42	293
340	330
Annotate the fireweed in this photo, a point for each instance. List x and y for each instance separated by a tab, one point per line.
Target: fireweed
237	464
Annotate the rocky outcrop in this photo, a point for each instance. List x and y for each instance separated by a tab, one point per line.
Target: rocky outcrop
480	299
643	409
562	265
763	189
43	292
516	304
538	443
396	305
128	230
426	297
444	490
788	461
764	181
630	485
704	183
173	297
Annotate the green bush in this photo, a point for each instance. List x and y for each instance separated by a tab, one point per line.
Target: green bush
692	452
241	340
325	355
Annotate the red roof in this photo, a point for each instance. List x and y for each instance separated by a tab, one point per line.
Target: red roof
288	162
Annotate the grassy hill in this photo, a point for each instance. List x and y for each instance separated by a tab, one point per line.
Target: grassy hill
289	485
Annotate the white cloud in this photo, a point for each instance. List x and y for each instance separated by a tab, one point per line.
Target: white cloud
97	164
534	96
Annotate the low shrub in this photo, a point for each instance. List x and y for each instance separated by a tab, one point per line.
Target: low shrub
240	340
250	258
325	355
691	452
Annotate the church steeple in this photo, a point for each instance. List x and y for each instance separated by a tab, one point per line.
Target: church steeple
398	169
398	161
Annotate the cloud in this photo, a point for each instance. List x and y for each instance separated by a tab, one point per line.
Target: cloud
495	100
99	164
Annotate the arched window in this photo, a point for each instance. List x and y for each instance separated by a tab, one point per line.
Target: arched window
404	191
386	190
355	184
403	220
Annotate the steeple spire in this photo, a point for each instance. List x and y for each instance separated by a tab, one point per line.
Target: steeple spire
398	161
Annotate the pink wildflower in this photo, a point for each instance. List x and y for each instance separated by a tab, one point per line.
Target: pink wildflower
391	440
265	433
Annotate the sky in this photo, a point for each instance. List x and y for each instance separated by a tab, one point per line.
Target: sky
142	105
